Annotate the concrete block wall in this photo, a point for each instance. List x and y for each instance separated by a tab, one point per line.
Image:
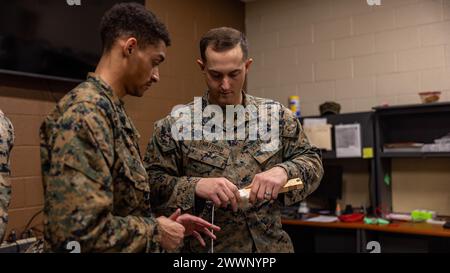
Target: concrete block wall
360	56
349	52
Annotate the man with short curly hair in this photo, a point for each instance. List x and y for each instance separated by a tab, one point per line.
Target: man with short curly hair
96	187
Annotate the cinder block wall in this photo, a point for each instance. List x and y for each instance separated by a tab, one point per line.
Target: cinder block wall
359	56
348	51
28	101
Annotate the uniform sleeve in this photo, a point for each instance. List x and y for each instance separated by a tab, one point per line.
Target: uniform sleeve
5	198
6	144
300	159
79	189
170	189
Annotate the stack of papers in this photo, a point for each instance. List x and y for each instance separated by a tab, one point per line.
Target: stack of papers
403	147
323	219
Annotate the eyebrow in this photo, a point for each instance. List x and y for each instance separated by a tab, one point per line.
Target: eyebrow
233	71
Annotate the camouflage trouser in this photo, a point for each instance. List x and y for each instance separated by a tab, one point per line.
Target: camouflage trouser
36	247
5	197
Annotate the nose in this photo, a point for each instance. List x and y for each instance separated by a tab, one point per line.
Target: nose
155	75
225	85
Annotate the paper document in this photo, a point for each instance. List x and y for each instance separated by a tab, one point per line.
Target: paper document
319	136
318	132
323	219
348	140
308	122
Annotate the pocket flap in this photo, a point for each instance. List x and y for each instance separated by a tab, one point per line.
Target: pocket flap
209	153
137	174
262	157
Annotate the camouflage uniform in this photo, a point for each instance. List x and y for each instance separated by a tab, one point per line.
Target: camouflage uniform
96	188
6	144
174	168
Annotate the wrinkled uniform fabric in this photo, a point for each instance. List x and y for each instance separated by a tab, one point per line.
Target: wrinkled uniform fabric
96	188
6	144
175	166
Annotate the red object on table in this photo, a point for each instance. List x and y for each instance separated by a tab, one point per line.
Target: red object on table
354	217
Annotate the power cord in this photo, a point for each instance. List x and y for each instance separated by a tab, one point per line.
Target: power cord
27	226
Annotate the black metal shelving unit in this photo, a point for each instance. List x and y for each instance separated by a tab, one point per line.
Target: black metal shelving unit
366	121
422	123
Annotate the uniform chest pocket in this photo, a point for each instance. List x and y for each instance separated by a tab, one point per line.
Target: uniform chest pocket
266	159
136	175
132	165
207	159
131	189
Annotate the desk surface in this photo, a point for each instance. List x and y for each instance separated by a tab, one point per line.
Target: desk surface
394	227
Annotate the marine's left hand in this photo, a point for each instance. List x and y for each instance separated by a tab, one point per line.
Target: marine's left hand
195	225
266	185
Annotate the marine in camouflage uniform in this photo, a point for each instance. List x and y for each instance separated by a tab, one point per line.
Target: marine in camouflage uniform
6	144
96	188
175	167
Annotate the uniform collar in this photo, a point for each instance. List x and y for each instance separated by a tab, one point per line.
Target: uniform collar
108	91
246	100
102	85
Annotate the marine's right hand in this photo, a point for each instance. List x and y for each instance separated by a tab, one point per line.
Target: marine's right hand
219	190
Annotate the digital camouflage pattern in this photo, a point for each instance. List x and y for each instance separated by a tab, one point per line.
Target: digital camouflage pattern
96	188
174	168
6	144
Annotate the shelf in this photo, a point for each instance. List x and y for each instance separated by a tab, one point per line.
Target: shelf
332	155
414	154
416	107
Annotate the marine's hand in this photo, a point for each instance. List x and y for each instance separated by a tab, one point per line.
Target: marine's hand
220	190
195	225
266	185
172	232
